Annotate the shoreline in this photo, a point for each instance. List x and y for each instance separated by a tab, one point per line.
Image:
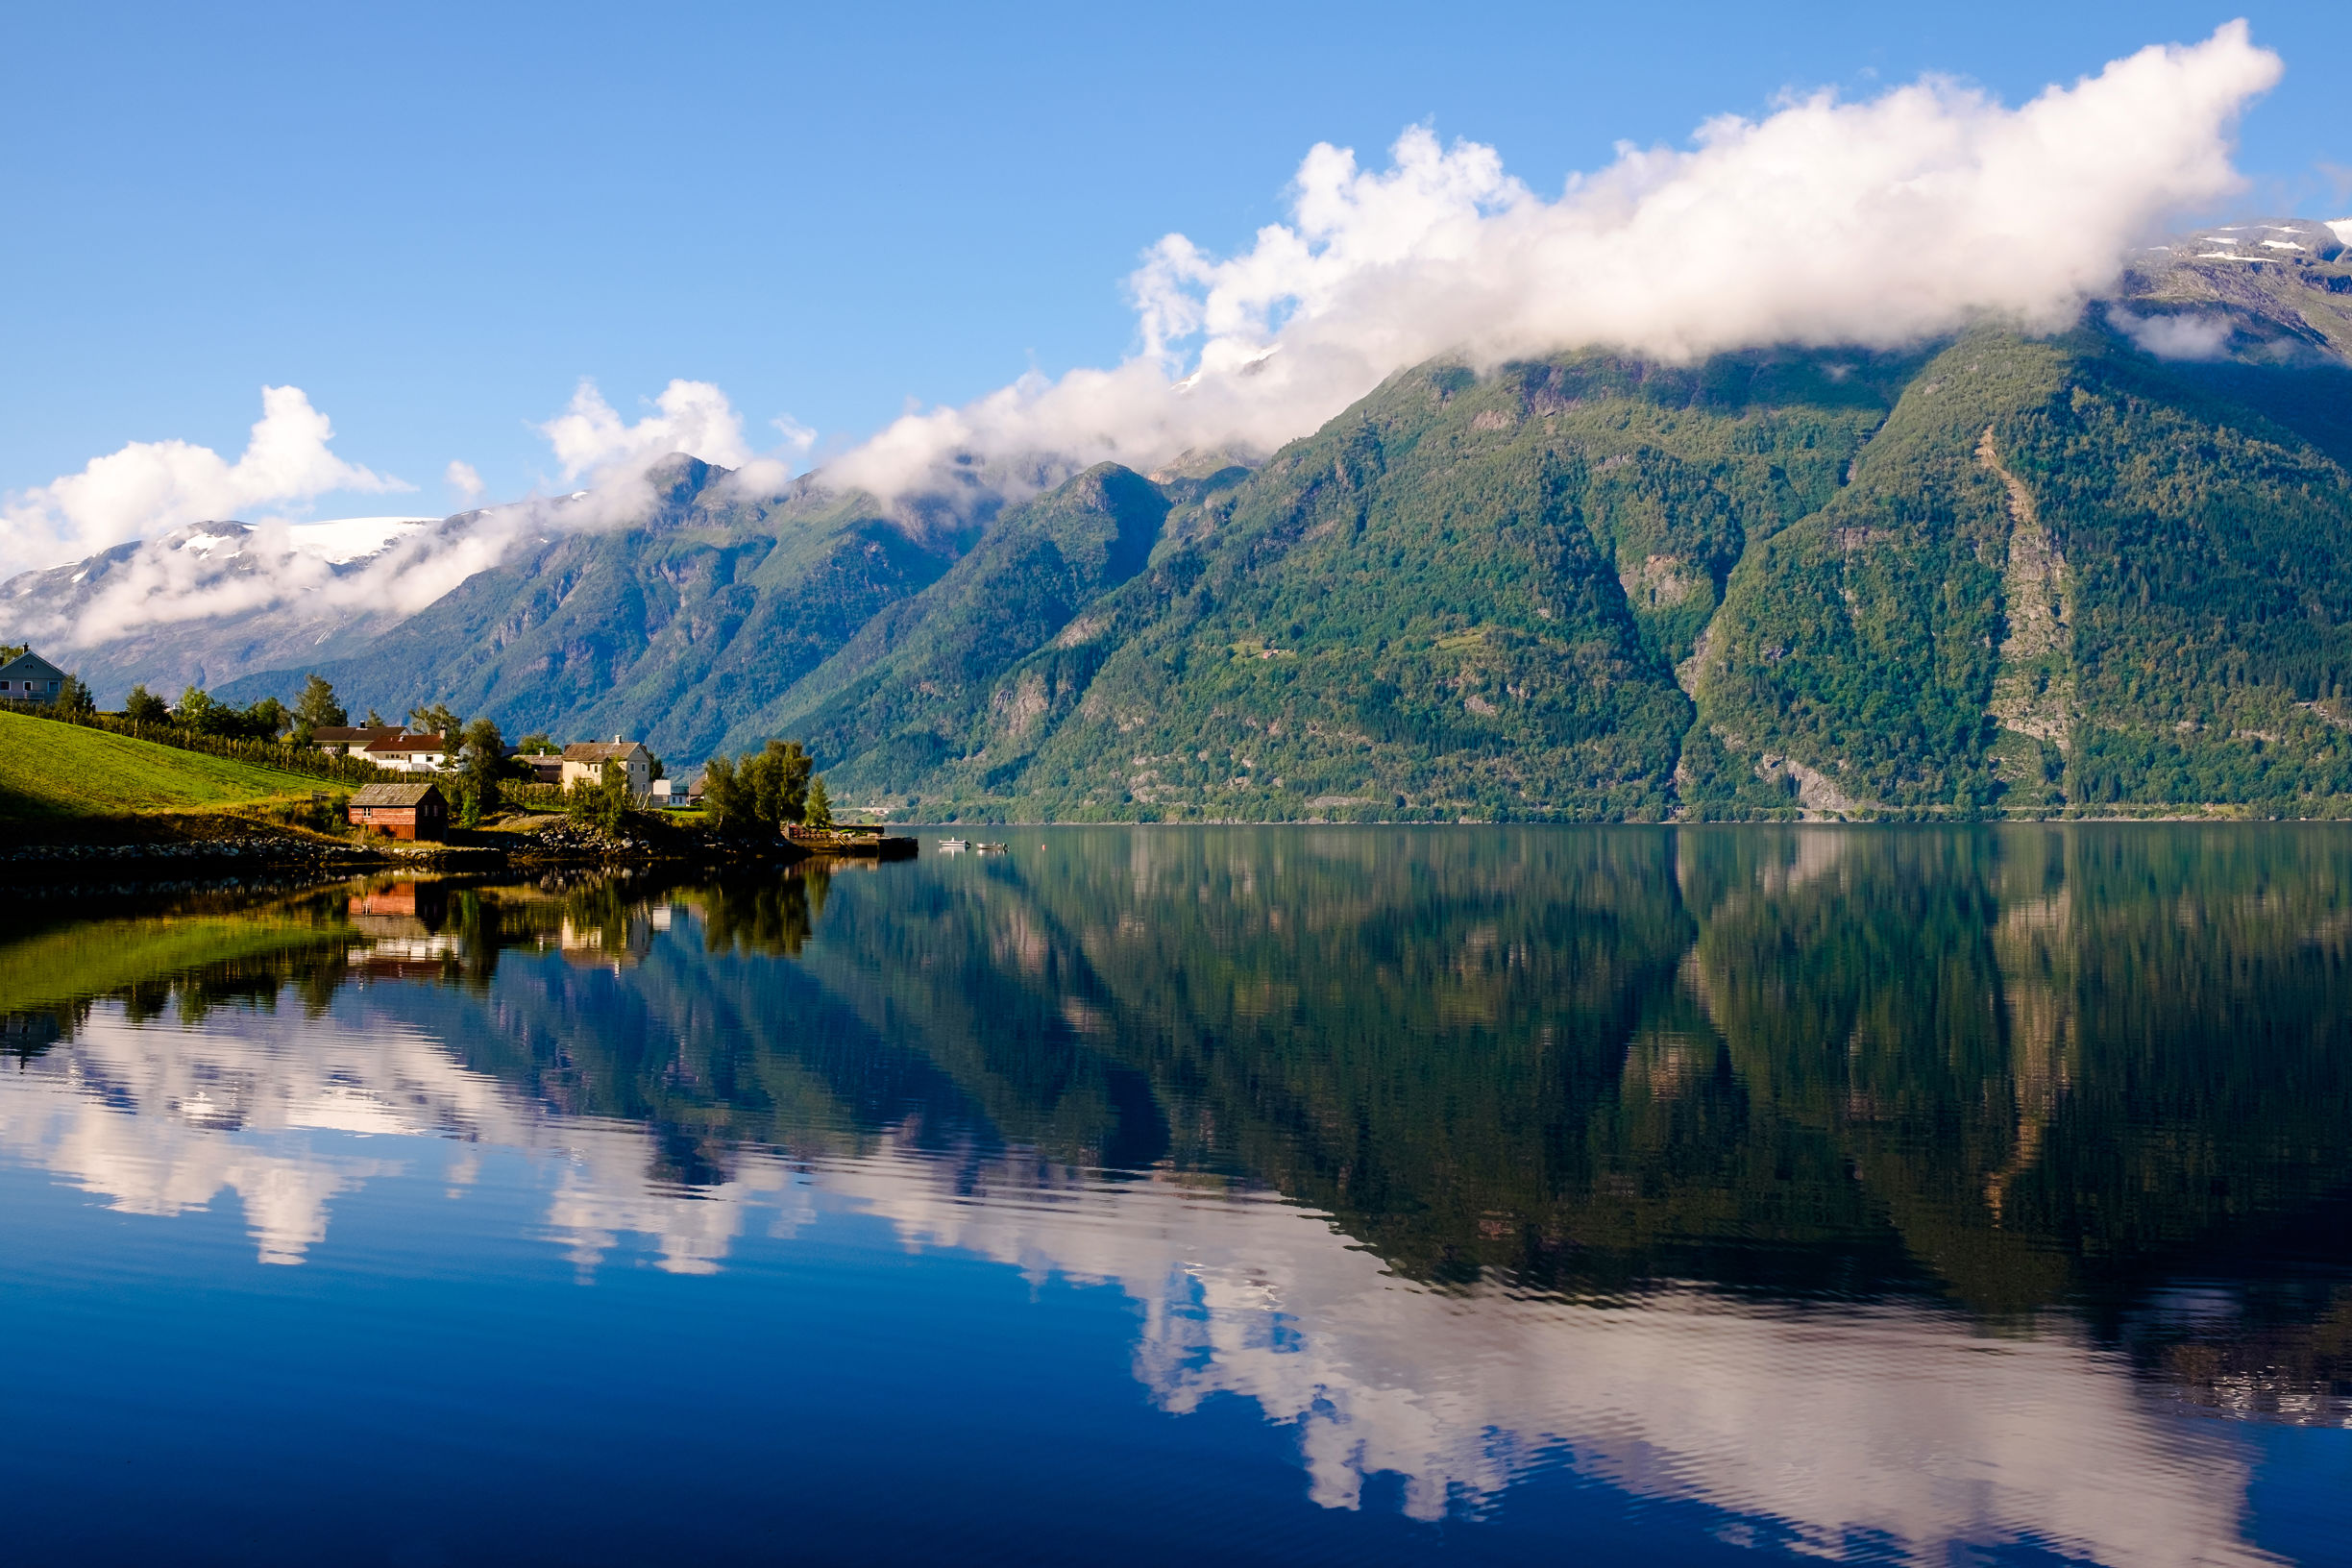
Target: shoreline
276	851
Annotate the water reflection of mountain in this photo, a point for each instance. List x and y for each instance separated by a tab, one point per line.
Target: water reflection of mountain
2083	1086
2019	1067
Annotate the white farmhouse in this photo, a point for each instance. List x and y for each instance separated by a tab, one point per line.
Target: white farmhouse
407	753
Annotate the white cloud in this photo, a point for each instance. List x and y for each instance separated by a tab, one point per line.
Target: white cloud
151	486
1873	222
173	579
2175	336
693	417
464	483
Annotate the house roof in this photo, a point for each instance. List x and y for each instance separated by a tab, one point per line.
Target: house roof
400	745
600	751
343	735
394	795
29	666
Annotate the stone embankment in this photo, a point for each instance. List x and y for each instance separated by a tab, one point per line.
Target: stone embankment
258	850
213	854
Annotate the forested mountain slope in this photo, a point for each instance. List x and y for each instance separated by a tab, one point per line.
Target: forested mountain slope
2006	575
2108	569
1464	596
911	685
666	630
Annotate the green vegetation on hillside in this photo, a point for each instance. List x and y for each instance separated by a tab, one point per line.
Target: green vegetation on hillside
671	630
2200	586
912	693
2000	575
1466	597
53	771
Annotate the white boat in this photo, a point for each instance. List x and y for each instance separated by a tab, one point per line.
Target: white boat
953	846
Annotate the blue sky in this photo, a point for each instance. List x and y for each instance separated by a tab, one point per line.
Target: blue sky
435	220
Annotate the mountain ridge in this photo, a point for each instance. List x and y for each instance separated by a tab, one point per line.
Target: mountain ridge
1996	574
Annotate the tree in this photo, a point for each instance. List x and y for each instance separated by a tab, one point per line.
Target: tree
482	760
537	744
603	805
436	720
264	720
722	798
373	720
318	709
819	813
194	710
73	698
778	777
143	707
759	792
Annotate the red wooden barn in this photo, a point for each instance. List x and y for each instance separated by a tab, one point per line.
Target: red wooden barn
404	811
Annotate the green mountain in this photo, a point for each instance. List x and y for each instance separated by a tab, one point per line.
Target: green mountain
909	687
667	629
2011	574
2109	570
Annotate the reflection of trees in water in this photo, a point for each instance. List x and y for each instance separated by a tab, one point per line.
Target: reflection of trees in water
2016	1068
2017	1065
769	913
2061	1060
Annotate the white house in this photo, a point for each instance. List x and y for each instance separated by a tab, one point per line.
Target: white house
411	753
348	741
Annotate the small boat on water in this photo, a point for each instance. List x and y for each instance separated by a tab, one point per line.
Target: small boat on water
953	846
989	849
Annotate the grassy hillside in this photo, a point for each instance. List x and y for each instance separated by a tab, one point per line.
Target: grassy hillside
52	771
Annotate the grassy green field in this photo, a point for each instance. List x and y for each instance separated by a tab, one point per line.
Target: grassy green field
53	771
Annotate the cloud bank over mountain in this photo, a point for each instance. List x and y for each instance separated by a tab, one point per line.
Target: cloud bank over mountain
1876	224
591	439
183	573
1872	223
151	487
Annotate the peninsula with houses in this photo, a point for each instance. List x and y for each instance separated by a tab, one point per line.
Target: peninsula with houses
198	770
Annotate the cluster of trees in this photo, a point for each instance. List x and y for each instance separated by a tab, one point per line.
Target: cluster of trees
481	764
200	713
764	791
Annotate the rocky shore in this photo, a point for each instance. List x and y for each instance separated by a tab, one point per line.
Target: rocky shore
211	854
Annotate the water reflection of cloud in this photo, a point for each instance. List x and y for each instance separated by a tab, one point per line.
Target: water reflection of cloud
1895	1424
1899	1423
161	1120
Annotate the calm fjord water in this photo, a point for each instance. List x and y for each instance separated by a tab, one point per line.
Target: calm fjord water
1168	1195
